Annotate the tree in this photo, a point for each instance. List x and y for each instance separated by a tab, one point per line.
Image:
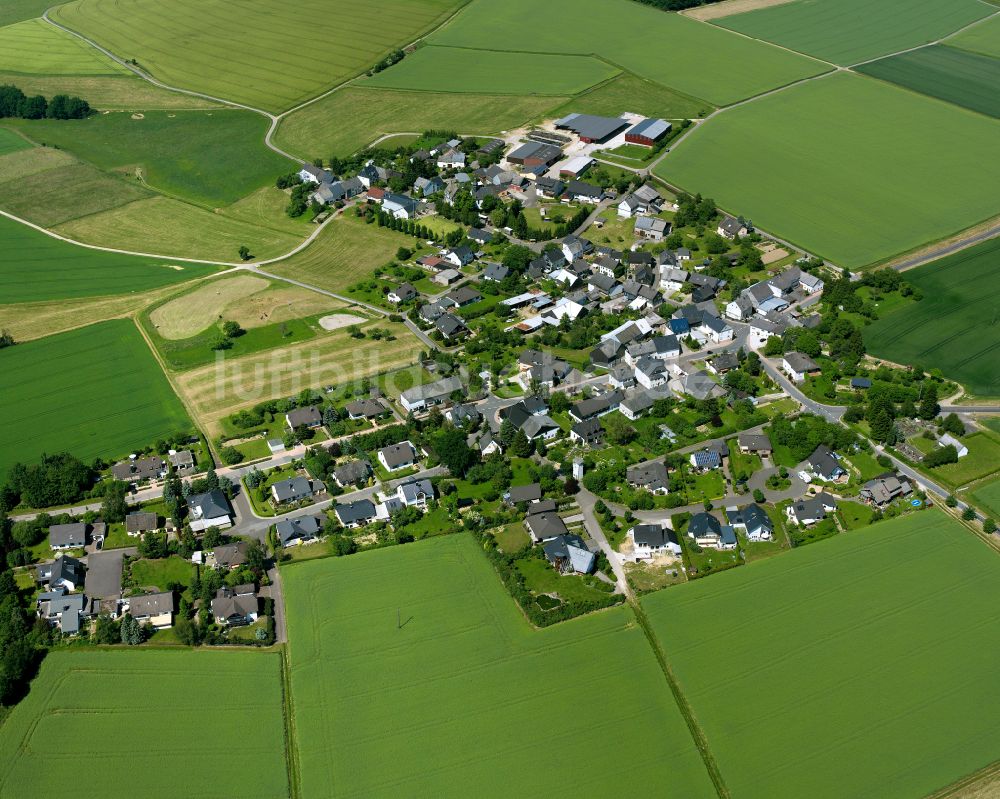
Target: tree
969	513
256	558
758	495
928	404
507	433
989	526
774	346
952	424
950	501
131	631
881	425
940	456
521	446
186	631
114	507
232	329
451	449
618	429
106	630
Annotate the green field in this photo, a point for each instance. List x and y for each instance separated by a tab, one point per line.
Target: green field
457	69
107	92
194	705
35	46
983	38
36	267
465	692
860	666
953	328
638	95
849	31
95	391
956	76
845	167
248	52
11	142
352	118
17	10
987	496
668	48
982	461
208	157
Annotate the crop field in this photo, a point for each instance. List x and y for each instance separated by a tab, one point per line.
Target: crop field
173	228
107	92
208	157
987	496
983	38
815	144
11	142
866	659
36	267
347	250
352	118
626	33
956	76
458	69
953	328
197	703
35	46
850	31
332	358
249	52
630	93
247	299
17	10
95	392
474	690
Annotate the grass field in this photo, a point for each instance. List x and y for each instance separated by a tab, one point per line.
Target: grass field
353	117
982	461
162	225
248	52
814	145
11	142
629	93
35	267
457	69
474	690
953	328
849	31
627	34
35	47
866	659
266	208
987	496
333	358
345	252
208	157
956	76
198	702
984	38
95	391
17	10
107	92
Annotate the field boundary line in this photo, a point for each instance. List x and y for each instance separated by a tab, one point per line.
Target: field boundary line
968	781
288	716
697	734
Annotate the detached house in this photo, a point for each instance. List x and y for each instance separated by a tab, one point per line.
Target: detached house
653	541
398	456
303	530
653	477
210	509
355	514
588	432
810	510
351	473
64	572
707	531
67	536
754	444
730	228
752	520
304	417
798	366
404	292
651	228
545	526
155	609
824	464
883	490
235	607
568	554
295	489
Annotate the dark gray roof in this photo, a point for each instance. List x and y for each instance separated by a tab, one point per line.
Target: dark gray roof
800	362
589	126
351	472
302	527
234	554
654	535
824	462
398	454
704	523
308	416
650	475
545	525
68	535
753	516
212	504
353	512
151	604
528	493
292	488
366	408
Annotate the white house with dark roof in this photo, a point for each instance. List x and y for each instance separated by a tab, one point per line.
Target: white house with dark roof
653	540
810	510
398	456
799	366
210	509
752	520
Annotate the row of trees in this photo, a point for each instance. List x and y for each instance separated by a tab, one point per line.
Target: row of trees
15	103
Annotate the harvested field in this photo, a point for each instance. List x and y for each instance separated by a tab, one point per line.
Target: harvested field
728	8
916	596
465	701
35	47
339	320
108	92
198	701
353	117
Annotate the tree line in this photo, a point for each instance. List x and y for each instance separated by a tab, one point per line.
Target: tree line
15	103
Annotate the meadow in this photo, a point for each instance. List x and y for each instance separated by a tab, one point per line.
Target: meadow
11	142
630	93
209	157
249	52
352	118
94	392
667	48
814	145
953	328
36	267
858	666
956	76
983	38
465	692
35	47
194	705
850	31
458	69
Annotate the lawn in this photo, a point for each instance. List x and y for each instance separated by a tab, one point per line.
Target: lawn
208	157
36	267
458	69
953	327
626	33
95	391
855	515
199	703
987	496
631	93
816	143
35	46
849	31
354	117
248	52
957	76
465	701
836	652
512	538
982	461
162	573
541	578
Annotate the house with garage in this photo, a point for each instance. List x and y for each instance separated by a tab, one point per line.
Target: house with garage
156	609
544	526
415	493
404	292
235	606
399	456
138	523
532	492
495	273
568	554
584	193
883	490
352	473
64	572
824	465
67	536
422	397
652	373
355	514
460	256
799	366
752	520
652	477
451	159
308	416
707	531
573	247
731	228
303	530
210	509
811	510
754	444
651	541
295	489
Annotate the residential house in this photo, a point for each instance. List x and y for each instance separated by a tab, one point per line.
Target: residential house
64	572
651	373
810	510
182	461
568	554
365	409
314	174
526	493
723	362
635	405
731	228
707	531
355	514
398	456
404	292
295	489
461	297
798	366
460	256
415	493
450	326
672	280
488	444
424	396
581	192
588	432
138	523
156	609
754	444
65	611
883	490
596	406
139	470
399	205
309	416
451	159
752	520
549	188
496	273
621	376
479	235
352	473
545	526
652	477
824	464
230	556
235	607
462	414
705	460
651	228
210	509
303	530
67	536
651	541
573	247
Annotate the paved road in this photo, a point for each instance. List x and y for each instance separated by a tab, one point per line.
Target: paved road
586	501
